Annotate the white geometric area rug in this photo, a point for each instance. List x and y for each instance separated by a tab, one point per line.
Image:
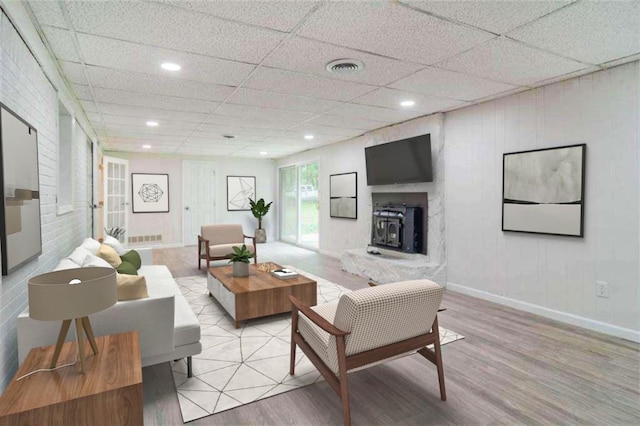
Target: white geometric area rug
240	366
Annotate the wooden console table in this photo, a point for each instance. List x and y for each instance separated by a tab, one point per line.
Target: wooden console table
110	393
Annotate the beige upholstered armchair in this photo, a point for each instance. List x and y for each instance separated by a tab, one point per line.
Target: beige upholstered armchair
367	327
215	242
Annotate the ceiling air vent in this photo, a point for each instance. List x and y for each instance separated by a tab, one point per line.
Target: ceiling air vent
345	66
228	136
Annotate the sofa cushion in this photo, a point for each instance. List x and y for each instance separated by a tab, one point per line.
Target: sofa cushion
222	250
91	245
133	258
226	233
66	264
131	287
316	337
127	268
92	260
186	325
114	243
78	255
110	255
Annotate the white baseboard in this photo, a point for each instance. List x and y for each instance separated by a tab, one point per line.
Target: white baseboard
602	327
329	253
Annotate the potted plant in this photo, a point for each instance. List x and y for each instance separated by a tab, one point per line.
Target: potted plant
260	209
240	259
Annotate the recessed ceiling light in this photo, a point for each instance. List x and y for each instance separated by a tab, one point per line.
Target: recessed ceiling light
146	146
169	66
263	153
151	123
344	66
308	137
407	103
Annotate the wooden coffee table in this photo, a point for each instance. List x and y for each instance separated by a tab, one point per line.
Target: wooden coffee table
258	295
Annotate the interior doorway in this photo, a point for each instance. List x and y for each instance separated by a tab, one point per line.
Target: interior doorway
299	213
116	194
198	197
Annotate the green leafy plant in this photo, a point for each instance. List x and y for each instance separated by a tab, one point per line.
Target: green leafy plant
115	232
259	209
240	254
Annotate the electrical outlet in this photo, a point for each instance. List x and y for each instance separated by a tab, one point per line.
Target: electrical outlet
602	289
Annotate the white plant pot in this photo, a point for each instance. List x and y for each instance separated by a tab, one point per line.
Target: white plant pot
261	235
240	269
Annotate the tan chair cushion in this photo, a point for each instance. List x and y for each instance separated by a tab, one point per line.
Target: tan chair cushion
131	287
223	250
109	254
223	234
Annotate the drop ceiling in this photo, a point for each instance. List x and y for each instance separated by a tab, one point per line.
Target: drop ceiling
256	69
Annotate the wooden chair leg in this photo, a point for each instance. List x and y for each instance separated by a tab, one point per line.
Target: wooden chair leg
189	367
294	329
344	383
438	354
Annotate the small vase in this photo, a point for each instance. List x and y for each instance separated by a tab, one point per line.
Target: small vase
261	235
240	269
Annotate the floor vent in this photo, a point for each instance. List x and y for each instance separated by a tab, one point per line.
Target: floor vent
145	238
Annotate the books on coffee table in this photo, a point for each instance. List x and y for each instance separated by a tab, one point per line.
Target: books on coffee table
284	274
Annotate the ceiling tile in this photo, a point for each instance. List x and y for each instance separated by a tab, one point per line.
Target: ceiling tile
348	122
391	98
310	56
305	85
250	112
259	123
110	53
148	100
495	16
158	133
74	72
87	104
511	62
158	84
392	30
165	26
591	31
279	15
48	12
317	129
375	113
62	44
150	113
140	121
449	84
83	92
263	98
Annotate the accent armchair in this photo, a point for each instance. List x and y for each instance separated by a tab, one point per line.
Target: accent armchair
367	327
215	242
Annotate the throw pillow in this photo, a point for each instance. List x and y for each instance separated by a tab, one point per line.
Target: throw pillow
127	268
78	255
91	245
131	287
114	243
132	257
66	264
109	254
92	260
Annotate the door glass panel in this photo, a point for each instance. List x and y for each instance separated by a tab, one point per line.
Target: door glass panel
289	210
308	194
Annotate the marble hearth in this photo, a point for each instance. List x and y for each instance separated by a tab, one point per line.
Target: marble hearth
391	266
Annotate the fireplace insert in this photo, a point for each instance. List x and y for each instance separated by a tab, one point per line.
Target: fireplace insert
397	228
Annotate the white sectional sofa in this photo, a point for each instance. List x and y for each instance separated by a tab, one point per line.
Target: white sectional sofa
167	327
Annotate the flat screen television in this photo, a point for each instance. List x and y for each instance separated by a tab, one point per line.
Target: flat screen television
403	161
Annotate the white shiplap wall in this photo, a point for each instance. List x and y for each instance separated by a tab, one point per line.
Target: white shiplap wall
25	89
550	275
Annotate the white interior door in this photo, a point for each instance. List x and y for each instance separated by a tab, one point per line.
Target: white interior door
198	197
116	194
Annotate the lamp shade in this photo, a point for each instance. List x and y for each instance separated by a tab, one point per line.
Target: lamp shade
53	298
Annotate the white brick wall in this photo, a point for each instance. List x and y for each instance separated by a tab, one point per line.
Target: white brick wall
25	89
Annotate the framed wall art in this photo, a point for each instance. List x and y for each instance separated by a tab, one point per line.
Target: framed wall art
150	192
20	232
543	191
239	190
343	195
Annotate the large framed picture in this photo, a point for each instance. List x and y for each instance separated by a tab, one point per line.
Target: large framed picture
150	192
239	190
343	195
20	233
543	191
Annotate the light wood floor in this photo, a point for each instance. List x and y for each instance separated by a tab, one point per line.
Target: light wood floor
512	368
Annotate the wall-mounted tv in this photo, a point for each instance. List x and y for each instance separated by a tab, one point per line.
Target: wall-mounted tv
403	161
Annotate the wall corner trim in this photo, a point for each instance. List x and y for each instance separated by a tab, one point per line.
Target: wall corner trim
610	329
